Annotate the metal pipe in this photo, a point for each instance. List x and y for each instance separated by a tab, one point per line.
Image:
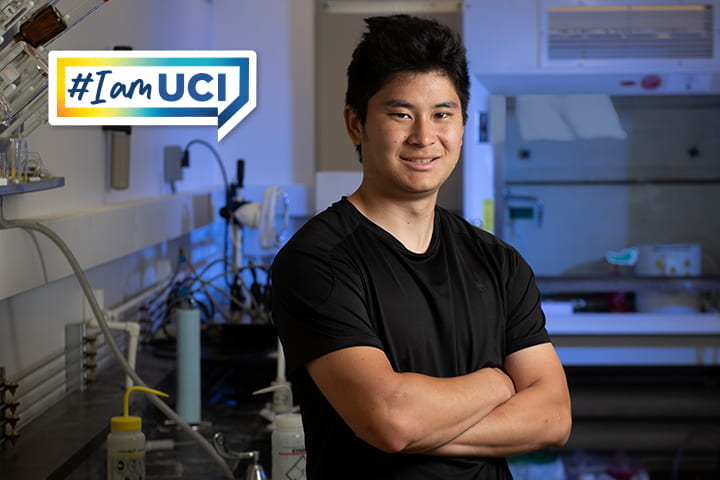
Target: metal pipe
115	313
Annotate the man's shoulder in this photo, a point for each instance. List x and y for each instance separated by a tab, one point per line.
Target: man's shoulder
468	239
457	225
325	228
320	235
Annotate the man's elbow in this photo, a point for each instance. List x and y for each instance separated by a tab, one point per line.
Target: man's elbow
388	444
390	436
559	433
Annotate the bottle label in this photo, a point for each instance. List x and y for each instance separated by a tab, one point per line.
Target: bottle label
127	465
289	464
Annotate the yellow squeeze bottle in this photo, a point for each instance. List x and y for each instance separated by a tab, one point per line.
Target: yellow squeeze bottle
126	443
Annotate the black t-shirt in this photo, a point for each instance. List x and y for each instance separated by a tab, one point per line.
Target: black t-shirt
342	281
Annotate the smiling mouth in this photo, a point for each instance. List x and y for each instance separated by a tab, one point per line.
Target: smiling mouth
419	161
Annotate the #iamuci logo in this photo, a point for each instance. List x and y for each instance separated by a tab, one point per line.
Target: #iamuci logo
152	88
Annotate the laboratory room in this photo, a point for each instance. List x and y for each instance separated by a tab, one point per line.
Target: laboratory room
194	218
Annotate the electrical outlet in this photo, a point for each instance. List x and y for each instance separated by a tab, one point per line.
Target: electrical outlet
172	155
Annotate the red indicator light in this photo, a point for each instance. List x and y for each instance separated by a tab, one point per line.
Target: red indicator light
651	82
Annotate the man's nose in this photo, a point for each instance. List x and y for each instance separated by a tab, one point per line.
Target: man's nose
422	132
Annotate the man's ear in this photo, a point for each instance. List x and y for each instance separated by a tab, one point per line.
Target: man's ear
353	125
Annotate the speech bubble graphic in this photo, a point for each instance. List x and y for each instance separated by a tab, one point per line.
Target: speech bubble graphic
135	87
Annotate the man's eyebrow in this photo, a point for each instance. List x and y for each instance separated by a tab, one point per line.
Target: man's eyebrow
448	104
403	104
398	103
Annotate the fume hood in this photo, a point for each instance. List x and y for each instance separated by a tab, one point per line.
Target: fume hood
593	128
630	47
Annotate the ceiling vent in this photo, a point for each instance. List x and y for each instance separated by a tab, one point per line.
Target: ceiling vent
607	33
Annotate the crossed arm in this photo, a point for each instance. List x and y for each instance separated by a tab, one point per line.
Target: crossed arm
485	413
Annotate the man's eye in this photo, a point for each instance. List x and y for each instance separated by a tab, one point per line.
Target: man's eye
400	115
442	115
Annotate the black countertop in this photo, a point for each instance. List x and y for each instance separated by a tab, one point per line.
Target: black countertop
68	441
172	454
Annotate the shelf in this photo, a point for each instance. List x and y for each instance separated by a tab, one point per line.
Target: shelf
615	182
45	184
699	327
555	285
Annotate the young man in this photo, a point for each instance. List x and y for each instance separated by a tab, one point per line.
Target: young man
414	340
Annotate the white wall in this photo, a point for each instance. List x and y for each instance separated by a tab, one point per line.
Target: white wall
276	140
125	238
78	153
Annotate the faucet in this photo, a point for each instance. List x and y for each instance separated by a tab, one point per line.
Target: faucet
254	471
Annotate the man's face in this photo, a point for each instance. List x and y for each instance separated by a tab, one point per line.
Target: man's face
412	135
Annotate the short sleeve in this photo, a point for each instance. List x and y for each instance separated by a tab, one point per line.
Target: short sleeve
318	305
526	320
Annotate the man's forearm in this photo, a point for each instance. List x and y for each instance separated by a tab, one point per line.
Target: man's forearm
454	410
538	416
529	421
398	412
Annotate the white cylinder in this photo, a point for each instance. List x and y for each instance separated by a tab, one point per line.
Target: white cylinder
188	365
126	455
288	447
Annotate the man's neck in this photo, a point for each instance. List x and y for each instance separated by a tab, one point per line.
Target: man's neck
409	221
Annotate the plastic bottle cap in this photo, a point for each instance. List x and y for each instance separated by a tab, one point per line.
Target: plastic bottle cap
288	420
124	424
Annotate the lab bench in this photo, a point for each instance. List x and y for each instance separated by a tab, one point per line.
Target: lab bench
646	384
172	454
68	441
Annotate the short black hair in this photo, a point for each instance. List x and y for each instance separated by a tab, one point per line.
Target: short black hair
398	44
